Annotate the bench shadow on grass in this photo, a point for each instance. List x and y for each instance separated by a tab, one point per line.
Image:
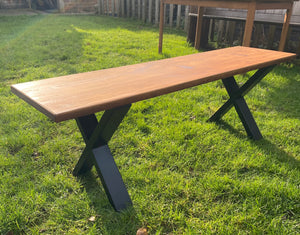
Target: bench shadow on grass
124	222
266	146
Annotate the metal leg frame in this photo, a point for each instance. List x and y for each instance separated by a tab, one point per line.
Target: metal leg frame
236	99
96	136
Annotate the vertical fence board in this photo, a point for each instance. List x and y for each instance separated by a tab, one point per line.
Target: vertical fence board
157	3
99	7
204	33
226	30
128	8
231	31
165	14
186	18
241	34
211	30
122	7
191	33
139	9
102	7
117	6
271	35
298	49
171	14
258	35
144	7
107	7
220	31
178	20
150	11
133	9
113	7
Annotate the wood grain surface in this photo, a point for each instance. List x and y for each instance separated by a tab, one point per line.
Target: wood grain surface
72	96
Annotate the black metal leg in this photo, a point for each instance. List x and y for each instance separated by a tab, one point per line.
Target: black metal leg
236	99
242	109
96	136
111	178
87	125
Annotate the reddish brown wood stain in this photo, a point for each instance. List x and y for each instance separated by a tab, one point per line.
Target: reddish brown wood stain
72	96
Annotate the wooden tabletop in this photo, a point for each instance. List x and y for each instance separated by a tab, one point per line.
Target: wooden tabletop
72	96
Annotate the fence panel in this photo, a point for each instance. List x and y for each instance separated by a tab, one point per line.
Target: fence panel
223	25
146	10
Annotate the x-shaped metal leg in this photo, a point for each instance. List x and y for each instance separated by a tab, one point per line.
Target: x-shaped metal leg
237	100
96	136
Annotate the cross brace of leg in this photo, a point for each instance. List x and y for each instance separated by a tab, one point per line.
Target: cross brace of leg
96	136
237	100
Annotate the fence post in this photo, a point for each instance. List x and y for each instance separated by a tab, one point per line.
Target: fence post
117	7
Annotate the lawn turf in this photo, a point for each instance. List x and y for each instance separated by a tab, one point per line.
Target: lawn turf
184	174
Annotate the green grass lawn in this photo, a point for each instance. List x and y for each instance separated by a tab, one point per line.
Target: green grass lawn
184	175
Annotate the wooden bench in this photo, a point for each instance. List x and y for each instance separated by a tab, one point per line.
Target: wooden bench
80	96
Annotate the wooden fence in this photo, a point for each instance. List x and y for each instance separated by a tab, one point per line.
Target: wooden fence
146	10
12	4
218	32
226	27
222	26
